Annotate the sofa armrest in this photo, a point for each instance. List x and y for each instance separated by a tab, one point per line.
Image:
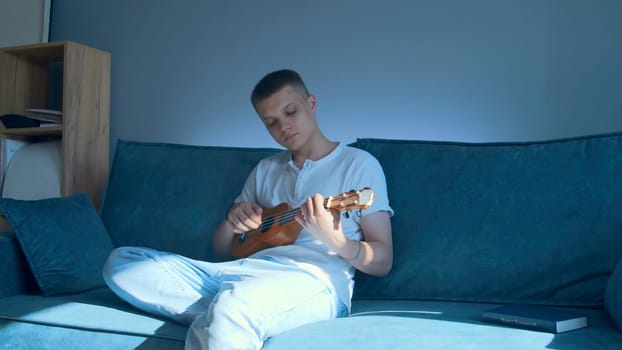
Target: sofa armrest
17	277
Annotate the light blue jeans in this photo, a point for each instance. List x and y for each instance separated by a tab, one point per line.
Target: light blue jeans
229	305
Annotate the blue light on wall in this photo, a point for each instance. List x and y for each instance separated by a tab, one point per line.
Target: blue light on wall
445	70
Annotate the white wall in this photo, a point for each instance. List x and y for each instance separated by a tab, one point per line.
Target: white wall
23	22
477	70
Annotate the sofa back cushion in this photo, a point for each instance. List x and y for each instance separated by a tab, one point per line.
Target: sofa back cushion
172	197
506	222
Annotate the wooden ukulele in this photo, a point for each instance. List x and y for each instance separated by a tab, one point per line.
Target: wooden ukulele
279	226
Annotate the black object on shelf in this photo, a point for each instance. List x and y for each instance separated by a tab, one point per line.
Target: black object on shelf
12	121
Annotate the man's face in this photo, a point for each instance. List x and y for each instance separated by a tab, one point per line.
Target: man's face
289	117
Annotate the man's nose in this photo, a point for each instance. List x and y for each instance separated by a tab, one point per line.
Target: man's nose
286	125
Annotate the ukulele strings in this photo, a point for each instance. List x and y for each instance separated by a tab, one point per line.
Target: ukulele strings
283	217
286	216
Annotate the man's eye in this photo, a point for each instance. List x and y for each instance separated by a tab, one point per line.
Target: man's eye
290	112
270	123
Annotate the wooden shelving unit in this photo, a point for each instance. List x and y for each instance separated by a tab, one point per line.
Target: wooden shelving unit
24	75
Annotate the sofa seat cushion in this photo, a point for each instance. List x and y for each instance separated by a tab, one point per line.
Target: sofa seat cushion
16	335
376	324
99	317
97	310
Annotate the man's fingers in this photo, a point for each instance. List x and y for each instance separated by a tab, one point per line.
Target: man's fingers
245	217
310	212
257	209
300	218
318	203
251	216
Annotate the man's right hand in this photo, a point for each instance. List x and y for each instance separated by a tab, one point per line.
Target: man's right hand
244	216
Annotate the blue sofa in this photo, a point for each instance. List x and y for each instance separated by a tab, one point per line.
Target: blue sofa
476	225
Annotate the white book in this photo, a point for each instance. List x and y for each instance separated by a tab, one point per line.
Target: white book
44	111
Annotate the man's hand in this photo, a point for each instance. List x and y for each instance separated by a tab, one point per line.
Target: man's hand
373	256
322	223
244	216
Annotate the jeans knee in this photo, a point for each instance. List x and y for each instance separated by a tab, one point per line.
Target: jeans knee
229	324
117	262
228	308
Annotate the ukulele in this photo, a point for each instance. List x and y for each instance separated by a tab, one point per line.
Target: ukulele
279	226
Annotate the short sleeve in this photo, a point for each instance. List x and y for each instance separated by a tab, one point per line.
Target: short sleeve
378	184
249	191
369	173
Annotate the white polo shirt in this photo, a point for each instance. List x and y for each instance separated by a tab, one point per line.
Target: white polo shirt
277	180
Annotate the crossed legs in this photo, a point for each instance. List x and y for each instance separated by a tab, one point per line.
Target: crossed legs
230	305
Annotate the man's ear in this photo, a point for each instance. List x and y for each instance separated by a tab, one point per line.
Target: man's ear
312	101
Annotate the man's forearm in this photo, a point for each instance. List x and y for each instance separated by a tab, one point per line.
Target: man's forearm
221	242
374	259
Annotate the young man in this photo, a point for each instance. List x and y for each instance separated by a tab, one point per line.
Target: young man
239	304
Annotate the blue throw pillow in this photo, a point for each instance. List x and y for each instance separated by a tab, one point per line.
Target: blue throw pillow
63	240
613	296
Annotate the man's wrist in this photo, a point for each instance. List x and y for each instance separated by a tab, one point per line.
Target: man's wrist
357	254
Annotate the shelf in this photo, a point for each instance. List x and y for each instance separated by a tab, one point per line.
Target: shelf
35	131
44	52
28	74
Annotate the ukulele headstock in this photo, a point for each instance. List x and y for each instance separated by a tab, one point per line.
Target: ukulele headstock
361	199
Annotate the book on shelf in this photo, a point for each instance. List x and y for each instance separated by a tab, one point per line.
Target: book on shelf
45	115
538	318
49	124
44	111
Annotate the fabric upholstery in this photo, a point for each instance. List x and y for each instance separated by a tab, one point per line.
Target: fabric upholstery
63	240
16	335
533	222
81	320
96	310
16	275
613	296
403	324
483	223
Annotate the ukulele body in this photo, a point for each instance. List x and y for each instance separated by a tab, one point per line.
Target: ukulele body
279	226
280	232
